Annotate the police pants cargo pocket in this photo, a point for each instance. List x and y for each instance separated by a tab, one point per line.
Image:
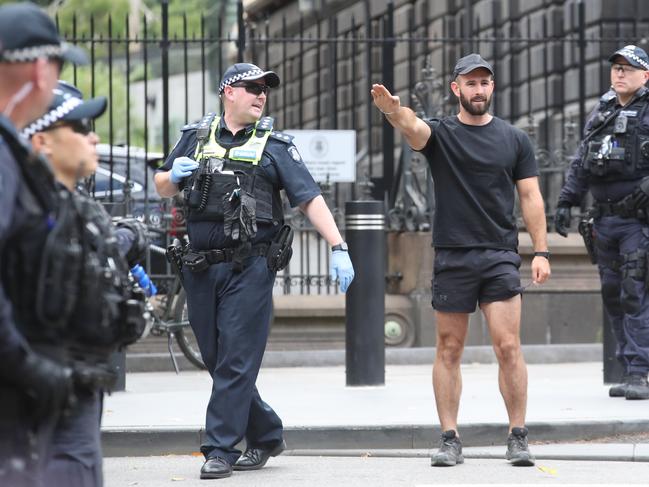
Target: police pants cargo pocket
631	296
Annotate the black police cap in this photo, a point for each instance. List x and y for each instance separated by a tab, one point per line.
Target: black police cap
470	62
636	56
27	34
67	104
247	72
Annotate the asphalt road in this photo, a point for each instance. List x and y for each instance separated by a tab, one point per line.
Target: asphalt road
288	471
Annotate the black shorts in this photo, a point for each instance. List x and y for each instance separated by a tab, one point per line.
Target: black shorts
464	277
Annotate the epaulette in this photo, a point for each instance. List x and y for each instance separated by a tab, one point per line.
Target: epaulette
282	137
265	124
607	97
189	126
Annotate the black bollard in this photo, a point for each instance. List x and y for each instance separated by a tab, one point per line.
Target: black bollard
613	370
365	299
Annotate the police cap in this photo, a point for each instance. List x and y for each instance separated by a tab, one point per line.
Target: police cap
67	104
27	34
636	56
247	72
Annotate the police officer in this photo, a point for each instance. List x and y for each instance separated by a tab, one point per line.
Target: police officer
65	137
231	168
613	162
33	385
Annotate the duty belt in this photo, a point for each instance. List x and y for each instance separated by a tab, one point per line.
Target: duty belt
199	260
624	208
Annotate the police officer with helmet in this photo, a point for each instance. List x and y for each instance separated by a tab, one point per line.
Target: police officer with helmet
34	386
108	308
230	169
613	163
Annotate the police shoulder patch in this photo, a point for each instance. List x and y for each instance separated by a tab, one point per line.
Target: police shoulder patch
295	154
282	137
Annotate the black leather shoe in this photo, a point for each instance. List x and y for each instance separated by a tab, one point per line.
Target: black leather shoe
216	468
255	458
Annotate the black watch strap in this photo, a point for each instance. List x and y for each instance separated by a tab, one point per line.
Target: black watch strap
342	246
542	254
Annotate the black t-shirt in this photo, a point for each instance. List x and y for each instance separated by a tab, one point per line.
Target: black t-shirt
475	169
281	165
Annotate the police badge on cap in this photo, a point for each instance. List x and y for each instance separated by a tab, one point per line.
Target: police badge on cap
247	72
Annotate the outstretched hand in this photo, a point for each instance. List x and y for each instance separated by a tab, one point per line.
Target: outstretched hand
384	100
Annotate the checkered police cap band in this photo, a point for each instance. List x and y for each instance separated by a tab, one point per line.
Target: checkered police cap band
251	73
629	53
33	53
69	104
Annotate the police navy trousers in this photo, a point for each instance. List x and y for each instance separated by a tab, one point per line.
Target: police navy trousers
24	441
230	314
626	300
75	454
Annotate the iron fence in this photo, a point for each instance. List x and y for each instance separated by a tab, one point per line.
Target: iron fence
548	73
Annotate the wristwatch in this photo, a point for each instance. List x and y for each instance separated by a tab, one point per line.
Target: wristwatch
341	246
542	254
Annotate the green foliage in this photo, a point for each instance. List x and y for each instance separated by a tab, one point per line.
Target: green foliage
83	81
99	10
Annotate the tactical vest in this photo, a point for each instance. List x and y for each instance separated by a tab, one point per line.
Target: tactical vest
66	281
222	171
618	148
109	310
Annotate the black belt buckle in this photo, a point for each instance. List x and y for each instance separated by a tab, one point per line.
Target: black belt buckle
195	262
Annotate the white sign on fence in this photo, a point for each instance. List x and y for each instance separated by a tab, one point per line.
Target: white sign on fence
330	155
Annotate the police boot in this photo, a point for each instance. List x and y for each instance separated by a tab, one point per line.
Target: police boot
638	387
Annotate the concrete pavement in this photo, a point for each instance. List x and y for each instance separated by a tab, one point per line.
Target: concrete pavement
369	471
163	413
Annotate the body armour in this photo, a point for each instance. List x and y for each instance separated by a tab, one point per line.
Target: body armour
227	176
617	146
65	279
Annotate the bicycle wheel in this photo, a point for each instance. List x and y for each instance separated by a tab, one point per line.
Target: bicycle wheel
185	336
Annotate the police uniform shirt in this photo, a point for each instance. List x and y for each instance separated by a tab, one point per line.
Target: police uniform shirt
11	218
579	182
281	164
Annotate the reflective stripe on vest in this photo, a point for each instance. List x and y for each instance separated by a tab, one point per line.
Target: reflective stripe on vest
251	151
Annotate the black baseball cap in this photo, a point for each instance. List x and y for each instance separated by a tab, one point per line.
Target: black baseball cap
67	104
27	34
247	72
636	56
470	62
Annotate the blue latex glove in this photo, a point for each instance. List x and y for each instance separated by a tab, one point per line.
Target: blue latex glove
181	168
341	268
144	281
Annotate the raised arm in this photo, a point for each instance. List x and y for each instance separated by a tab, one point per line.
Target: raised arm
414	129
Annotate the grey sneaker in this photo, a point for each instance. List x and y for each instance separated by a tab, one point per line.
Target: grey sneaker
619	390
518	453
637	388
450	451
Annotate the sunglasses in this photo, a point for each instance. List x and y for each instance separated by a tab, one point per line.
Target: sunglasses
623	68
252	88
83	126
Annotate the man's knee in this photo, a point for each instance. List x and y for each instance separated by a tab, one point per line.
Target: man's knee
449	350
508	350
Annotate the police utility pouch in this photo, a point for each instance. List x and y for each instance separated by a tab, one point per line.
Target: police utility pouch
280	250
195	262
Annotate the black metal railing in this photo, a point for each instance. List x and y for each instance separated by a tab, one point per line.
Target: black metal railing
550	69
